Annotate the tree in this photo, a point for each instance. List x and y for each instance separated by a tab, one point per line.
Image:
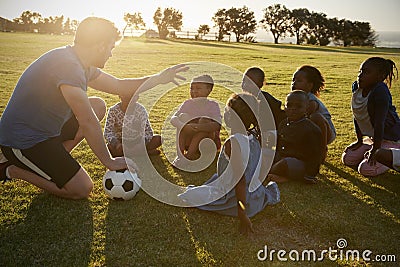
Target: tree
320	29
299	18
221	21
134	20
277	21
354	33
166	20
241	22
28	20
203	30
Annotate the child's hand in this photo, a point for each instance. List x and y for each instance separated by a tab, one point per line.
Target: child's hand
371	156
245	226
354	146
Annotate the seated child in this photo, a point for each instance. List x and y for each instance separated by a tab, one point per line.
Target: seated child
230	191
310	80
300	147
197	118
376	121
253	81
138	123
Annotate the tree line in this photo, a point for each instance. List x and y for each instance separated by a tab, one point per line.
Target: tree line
308	27
30	21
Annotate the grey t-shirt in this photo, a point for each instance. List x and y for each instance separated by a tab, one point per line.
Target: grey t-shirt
37	109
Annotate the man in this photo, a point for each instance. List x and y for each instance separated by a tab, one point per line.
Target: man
49	112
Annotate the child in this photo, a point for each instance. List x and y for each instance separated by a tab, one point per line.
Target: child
138	123
197	118
310	80
253	81
374	116
233	179
300	146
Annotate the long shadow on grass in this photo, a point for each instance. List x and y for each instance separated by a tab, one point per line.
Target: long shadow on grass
55	232
146	232
384	189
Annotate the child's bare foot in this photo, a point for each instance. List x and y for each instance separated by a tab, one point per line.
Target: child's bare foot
277	178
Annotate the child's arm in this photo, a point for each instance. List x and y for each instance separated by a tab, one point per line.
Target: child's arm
211	126
381	100
355	145
312	106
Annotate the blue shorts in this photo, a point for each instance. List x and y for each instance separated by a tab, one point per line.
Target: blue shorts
296	168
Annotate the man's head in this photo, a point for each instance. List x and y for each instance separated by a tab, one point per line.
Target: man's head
94	30
96	37
201	86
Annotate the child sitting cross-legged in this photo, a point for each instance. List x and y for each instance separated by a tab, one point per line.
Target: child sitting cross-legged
197	118
137	124
300	150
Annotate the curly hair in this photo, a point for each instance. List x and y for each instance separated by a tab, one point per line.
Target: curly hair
246	105
386	67
314	76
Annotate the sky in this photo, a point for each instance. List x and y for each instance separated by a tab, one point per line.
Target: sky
383	15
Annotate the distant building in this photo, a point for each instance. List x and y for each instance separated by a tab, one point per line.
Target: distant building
151	34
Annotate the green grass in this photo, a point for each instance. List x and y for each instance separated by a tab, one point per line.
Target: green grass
39	229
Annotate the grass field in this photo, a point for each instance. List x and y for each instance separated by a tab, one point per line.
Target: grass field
38	229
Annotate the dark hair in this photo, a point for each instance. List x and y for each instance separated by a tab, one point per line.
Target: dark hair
386	67
244	104
299	93
256	74
314	75
94	30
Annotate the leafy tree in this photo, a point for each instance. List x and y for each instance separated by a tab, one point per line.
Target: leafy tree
354	33
221	21
134	20
241	22
277	21
203	30
299	18
166	20
28	20
320	29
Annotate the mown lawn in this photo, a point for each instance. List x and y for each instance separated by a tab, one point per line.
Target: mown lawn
39	229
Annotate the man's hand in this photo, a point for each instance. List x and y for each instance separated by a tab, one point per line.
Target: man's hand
171	74
117	163
371	156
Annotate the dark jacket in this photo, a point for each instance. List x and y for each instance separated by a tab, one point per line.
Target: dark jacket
382	114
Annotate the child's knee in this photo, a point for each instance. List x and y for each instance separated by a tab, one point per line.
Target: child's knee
349	158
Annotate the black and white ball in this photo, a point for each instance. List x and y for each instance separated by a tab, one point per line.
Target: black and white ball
121	185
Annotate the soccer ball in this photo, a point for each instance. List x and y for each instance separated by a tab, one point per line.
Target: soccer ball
121	185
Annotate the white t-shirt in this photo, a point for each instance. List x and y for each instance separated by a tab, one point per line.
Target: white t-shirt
359	105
